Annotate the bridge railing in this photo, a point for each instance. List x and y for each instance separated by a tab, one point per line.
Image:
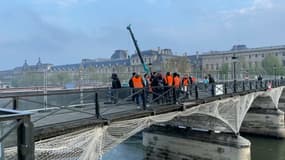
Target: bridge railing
98	102
16	131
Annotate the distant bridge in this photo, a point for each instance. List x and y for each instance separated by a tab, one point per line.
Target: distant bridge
113	117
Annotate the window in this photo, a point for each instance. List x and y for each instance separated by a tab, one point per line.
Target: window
262	55
283	53
249	56
212	66
207	66
217	66
226	58
256	55
276	54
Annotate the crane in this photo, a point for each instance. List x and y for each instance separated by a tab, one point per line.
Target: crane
146	69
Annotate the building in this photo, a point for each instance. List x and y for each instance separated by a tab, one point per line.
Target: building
220	63
93	71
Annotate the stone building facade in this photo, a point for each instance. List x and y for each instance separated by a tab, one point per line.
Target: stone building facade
214	62
93	70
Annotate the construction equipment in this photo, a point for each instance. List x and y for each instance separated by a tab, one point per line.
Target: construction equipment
146	69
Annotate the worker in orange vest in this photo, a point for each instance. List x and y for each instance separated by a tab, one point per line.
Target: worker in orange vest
168	83
176	83
185	83
168	79
139	88
176	80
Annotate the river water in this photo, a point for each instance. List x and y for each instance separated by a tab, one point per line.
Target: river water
262	148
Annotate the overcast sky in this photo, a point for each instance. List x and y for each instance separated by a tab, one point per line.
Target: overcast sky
66	31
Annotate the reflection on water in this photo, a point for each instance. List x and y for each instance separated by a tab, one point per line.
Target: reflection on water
131	149
262	148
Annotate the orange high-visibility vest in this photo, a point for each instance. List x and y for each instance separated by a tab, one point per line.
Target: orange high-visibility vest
176	82
185	81
169	80
194	79
137	82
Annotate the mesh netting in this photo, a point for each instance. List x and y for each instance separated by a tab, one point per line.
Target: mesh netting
92	143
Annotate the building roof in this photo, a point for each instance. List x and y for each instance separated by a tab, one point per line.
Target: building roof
107	63
244	50
147	53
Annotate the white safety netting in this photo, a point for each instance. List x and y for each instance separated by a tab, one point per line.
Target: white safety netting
92	143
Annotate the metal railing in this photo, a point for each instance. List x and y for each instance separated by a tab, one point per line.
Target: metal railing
99	102
19	123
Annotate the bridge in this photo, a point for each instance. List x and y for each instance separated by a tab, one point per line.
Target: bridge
84	124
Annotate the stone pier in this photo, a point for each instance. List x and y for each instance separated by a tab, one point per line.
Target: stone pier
171	143
282	102
266	122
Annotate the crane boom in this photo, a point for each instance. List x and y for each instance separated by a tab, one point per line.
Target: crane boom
138	49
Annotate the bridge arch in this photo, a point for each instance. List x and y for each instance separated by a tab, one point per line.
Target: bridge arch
281	102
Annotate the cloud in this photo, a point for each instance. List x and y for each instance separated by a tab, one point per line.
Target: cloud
256	5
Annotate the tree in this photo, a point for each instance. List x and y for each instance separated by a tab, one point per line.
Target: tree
59	78
224	70
271	61
177	64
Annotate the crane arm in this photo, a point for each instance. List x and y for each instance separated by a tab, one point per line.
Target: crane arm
138	49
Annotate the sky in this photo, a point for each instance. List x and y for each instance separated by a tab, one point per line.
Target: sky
67	31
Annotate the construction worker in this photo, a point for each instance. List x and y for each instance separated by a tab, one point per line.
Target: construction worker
177	84
185	83
138	84
116	85
168	83
168	79
157	87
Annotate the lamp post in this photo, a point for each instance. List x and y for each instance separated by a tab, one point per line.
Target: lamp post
80	83
274	68
45	86
234	59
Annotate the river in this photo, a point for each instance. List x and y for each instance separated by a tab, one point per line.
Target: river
262	148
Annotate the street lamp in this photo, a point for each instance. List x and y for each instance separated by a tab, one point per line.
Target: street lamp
80	84
45	85
275	68
234	59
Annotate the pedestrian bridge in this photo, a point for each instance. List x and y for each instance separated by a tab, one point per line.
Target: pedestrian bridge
221	107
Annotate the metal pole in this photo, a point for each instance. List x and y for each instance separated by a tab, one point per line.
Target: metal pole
80	86
45	89
15	103
174	95
143	99
234	69
25	142
97	107
196	92
275	83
